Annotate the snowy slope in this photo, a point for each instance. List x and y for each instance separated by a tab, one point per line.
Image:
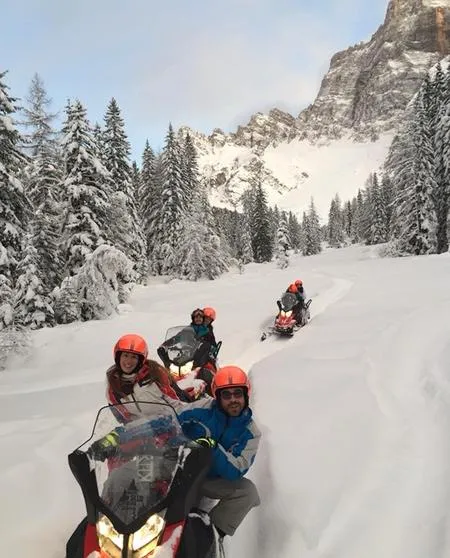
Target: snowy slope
294	171
355	410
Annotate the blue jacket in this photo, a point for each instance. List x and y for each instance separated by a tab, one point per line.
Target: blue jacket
237	437
200	330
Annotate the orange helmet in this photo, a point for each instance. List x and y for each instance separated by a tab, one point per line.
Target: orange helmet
131	343
209	312
293	288
299	283
230	376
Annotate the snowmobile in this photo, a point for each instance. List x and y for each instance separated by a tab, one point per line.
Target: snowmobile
191	362
286	323
140	482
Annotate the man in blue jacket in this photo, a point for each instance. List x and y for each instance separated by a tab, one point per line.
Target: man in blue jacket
225	424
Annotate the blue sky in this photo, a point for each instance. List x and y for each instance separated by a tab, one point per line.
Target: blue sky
203	63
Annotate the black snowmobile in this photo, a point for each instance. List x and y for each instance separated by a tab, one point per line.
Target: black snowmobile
140	481
190	360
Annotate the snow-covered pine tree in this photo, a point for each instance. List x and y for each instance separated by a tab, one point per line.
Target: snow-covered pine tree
335	229
136	186
98	136
387	193
378	231
170	219
441	193
199	251
44	174
14	207
261	227
38	118
282	244
150	196
85	183
32	306
123	201
100	280
347	217
294	232
357	231
244	242
415	213
311	229
46	222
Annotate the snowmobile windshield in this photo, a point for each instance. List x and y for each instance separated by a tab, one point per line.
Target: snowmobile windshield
288	301
135	462
181	344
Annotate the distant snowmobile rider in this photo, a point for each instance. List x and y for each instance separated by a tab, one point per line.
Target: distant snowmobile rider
297	309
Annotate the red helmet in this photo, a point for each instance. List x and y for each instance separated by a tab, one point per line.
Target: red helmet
299	282
131	343
293	288
230	376
209	312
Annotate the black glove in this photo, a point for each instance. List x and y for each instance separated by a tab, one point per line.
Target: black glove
105	447
206	442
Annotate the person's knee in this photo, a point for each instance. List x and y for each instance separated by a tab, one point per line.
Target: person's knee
251	492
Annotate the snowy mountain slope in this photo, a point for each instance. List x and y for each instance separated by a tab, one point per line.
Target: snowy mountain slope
294	172
354	410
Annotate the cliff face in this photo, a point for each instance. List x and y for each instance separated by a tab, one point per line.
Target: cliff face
368	85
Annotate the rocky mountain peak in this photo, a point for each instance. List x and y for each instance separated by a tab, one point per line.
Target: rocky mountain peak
369	85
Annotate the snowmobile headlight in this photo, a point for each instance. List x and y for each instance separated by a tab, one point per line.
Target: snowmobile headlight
145	539
181	370
283	313
148	533
288	314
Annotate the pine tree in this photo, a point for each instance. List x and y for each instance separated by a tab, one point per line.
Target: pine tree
311	229
170	219
283	245
441	193
335	227
117	152
261	227
294	232
87	214
199	252
32	307
46	224
387	194
347	218
415	216
150	201
42	137
378	231
244	242
99	143
14	207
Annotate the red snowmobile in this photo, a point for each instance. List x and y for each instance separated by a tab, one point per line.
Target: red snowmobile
191	361
140	482
291	316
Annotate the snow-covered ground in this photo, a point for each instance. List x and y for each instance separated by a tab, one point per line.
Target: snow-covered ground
355	410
